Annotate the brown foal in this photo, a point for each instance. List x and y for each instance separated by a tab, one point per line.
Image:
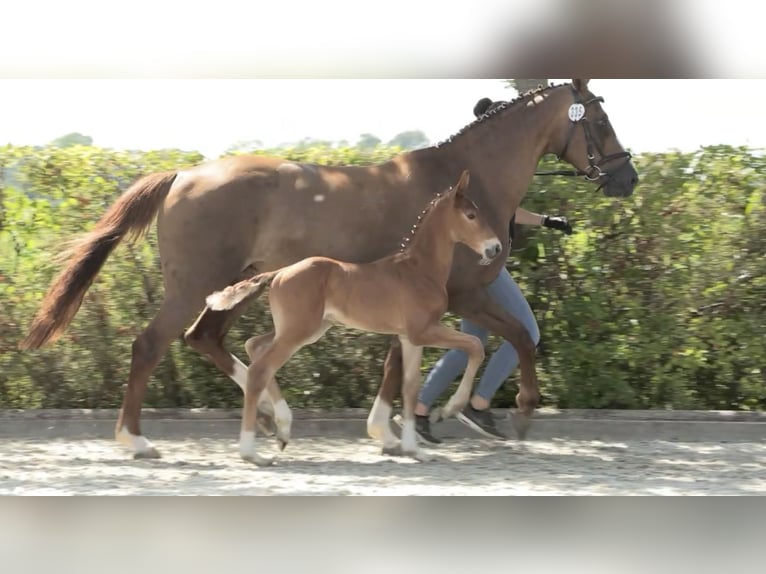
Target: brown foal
403	294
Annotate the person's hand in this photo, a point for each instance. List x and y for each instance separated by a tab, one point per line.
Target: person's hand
557	222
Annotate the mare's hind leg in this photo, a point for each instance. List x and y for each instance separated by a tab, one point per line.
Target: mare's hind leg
148	349
378	425
283	417
206	337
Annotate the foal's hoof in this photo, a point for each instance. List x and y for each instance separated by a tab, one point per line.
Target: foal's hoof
436	415
421	455
258	460
147	454
521	424
282	443
392	450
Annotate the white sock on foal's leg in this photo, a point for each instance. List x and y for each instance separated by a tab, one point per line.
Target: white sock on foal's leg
378	425
140	445
409	438
247	449
283	418
239	376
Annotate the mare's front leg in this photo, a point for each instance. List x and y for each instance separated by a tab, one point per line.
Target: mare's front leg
478	306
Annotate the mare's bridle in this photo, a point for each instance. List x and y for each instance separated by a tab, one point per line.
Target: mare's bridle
595	171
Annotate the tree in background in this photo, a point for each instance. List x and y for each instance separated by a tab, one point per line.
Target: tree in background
368	141
412	139
246	146
522	86
72	139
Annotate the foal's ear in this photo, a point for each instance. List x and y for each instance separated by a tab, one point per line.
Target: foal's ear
462	184
580	85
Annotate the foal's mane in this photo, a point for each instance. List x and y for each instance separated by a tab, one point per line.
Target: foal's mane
407	239
500	109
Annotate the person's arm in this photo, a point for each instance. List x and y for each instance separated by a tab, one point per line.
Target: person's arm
524	217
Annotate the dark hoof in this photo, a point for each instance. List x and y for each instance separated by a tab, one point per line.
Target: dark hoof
147	454
521	424
282	444
392	450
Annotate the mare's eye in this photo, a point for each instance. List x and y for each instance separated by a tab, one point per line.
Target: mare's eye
471	215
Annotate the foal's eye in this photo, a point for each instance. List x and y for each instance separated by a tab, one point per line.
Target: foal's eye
470	215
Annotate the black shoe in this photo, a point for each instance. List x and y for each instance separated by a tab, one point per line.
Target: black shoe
481	421
422	428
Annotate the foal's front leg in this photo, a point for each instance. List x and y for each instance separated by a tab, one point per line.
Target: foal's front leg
412	357
441	336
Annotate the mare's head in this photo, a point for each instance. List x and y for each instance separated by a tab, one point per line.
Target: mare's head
585	138
581	134
468	225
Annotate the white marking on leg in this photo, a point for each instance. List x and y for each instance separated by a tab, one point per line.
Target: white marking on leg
283	417
138	444
412	358
247	449
409	438
378	425
239	376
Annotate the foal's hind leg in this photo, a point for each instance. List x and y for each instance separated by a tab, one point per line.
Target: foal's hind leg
206	337
283	417
148	349
271	358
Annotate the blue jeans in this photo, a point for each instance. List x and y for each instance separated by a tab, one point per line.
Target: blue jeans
503	362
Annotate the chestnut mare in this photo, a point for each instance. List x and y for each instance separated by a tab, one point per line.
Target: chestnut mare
222	221
403	294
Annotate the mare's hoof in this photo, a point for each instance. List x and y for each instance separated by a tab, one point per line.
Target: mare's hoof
521	424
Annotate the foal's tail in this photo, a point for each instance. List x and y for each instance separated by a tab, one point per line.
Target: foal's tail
130	215
235	294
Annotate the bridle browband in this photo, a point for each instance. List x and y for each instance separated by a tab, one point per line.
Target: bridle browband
595	172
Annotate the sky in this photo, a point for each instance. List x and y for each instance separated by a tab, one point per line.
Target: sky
211	115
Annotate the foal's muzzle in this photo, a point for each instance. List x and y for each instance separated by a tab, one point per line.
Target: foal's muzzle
492	249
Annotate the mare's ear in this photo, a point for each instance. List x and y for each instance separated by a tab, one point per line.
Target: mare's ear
581	86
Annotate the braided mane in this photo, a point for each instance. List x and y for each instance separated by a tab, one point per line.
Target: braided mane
499	109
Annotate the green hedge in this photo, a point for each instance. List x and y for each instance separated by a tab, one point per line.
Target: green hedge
656	301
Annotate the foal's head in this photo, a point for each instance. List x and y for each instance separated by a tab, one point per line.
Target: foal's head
469	226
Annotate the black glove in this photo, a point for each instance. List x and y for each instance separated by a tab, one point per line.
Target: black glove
557	222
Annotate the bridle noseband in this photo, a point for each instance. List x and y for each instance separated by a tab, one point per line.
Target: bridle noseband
577	116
